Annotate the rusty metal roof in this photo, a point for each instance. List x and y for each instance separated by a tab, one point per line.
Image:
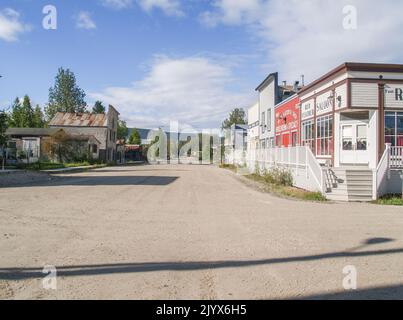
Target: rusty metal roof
62	119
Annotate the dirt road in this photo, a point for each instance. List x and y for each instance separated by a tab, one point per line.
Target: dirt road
190	232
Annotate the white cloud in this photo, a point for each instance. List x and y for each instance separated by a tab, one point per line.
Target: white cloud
84	21
232	12
307	37
117	4
11	26
193	91
169	7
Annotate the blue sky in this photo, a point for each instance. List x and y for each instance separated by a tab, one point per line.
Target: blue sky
185	60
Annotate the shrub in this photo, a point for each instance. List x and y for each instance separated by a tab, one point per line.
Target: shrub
278	176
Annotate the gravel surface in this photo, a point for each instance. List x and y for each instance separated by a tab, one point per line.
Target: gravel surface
190	232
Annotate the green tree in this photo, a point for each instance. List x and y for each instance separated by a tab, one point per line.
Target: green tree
122	131
16	117
27	113
3	137
236	116
98	107
65	95
22	115
38	119
135	137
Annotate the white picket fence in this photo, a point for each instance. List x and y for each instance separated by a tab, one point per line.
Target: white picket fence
300	161
396	157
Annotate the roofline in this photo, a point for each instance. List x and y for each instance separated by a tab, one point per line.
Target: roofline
68	126
295	95
112	107
264	82
354	66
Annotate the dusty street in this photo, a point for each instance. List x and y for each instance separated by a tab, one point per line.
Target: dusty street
190	232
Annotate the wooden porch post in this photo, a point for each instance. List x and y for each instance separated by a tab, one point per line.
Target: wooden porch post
381	119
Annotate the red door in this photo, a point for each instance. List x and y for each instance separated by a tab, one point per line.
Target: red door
286	140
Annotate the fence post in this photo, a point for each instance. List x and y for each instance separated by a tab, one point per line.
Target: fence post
388	150
375	185
297	159
306	162
289	156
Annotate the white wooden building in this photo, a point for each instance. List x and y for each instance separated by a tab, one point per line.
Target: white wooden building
351	134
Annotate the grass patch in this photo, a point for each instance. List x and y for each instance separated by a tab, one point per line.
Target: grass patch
228	167
52	165
390	200
284	189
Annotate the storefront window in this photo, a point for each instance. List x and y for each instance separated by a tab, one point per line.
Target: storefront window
394	128
307	128
324	135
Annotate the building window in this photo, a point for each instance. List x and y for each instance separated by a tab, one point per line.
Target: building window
272	142
269	120
307	128
263	122
394	128
294	139
278	140
94	148
324	135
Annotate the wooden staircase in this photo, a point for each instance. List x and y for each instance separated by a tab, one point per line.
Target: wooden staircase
349	184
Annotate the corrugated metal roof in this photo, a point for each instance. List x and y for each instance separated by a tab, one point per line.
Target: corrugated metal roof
33	132
62	119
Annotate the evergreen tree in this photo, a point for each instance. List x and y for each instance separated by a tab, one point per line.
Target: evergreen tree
27	113
38	120
65	95
236	116
135	137
16	116
98	107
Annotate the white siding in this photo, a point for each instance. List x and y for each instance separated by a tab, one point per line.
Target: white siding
364	95
253	118
267	102
341	92
375	75
325	86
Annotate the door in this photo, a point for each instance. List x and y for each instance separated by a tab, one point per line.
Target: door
354	144
286	140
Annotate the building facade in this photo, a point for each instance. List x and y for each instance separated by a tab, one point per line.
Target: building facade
29	145
102	126
269	96
253	138
287	122
349	114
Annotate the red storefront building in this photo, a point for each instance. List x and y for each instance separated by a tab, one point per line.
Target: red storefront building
287	122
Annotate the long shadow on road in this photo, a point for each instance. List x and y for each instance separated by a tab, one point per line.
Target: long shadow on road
91	270
102	181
